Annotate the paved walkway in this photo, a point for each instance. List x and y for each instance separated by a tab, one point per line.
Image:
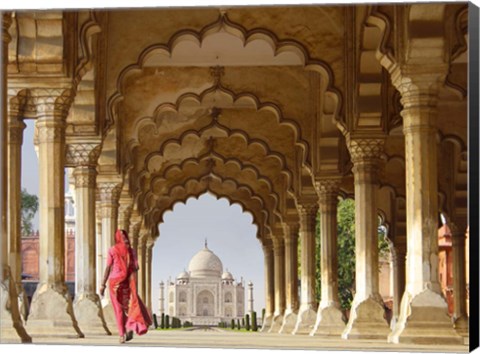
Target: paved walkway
201	338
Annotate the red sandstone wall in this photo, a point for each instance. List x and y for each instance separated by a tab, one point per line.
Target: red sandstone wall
30	256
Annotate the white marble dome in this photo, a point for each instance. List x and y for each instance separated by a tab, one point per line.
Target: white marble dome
183	275
227	275
205	264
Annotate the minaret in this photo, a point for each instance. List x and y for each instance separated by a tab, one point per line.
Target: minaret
250	297
161	306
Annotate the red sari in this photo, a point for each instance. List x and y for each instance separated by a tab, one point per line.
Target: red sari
130	312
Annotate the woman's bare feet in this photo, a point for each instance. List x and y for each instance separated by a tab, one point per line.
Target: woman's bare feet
122	339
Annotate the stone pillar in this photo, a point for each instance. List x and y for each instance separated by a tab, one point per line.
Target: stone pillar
459	281
269	285
98	245
330	320
148	277
398	260
51	311
125	209
161	300
87	305
134	227
424	313
14	175
109	194
11	326
142	266
307	314
279	274
367	313
291	277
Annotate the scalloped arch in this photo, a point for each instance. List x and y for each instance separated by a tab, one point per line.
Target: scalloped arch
275	212
224	23
181	188
240	99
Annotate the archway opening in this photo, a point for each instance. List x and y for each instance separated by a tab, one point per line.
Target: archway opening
226	230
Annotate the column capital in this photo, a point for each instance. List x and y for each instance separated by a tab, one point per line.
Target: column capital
6	22
278	243
109	191
291	230
267	245
15	131
85	177
50	131
125	208
52	103
327	189
308	209
364	149
421	78
82	154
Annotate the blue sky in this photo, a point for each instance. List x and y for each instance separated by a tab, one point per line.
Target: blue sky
229	231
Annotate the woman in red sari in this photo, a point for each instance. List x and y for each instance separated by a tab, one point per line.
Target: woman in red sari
122	265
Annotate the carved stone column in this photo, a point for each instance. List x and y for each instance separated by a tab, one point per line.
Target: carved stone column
269	285
367	312
142	266
51	310
134	228
14	175
148	277
459	280
11	326
329	316
87	305
109	194
424	313
98	243
398	260
124	212
279	274
307	314
291	277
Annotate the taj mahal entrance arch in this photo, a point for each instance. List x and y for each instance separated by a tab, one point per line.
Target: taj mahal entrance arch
244	103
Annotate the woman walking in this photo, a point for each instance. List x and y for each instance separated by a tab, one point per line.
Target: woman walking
122	265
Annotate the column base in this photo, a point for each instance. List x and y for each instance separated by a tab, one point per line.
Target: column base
289	322
330	322
424	320
305	321
11	326
462	328
367	320
267	323
51	312
89	314
109	315
276	324
22	302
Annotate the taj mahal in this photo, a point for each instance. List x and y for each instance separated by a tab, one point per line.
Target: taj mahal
205	294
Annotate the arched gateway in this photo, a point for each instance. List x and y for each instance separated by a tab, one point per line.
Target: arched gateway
278	109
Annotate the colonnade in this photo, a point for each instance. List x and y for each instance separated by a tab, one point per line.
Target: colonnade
422	310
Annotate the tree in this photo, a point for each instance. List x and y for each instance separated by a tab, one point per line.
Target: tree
29	207
345	252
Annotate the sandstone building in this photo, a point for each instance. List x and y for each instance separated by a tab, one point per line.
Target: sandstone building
280	109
